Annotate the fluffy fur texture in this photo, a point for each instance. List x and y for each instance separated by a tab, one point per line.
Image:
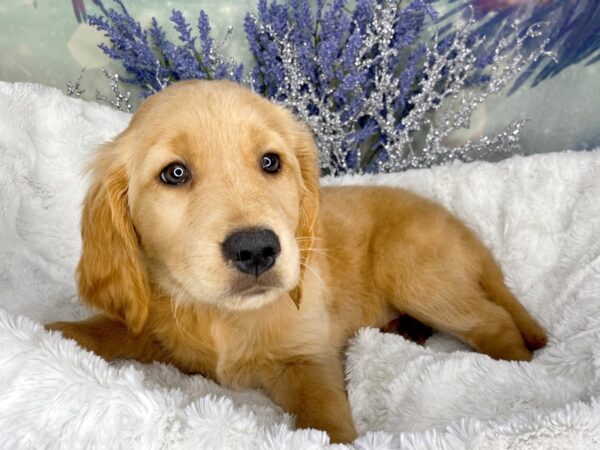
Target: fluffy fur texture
153	264
48	384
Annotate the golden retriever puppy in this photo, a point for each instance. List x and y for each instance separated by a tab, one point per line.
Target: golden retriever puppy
208	244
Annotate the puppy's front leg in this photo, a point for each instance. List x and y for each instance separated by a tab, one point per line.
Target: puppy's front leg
110	339
313	390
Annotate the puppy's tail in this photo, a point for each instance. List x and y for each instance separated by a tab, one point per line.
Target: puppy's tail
492	281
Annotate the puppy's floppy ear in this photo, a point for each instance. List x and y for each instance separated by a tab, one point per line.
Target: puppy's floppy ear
307	155
110	275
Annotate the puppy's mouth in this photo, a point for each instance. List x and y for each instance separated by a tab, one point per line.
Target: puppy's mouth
249	286
253	291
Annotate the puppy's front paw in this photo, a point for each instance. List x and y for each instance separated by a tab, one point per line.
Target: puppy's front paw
56	326
89	335
66	328
75	331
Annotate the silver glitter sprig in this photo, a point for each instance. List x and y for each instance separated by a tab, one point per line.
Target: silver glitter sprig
218	58
74	87
301	97
161	82
419	140
119	100
455	105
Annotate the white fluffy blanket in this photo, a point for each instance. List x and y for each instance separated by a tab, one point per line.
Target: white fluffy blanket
539	214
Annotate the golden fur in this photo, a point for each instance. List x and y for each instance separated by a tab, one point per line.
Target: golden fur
350	257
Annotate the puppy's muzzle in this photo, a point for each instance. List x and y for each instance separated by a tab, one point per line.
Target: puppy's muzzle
252	251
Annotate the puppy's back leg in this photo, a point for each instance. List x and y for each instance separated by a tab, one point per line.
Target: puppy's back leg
492	281
467	313
409	328
110	339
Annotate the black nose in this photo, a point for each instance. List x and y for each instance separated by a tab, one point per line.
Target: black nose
252	251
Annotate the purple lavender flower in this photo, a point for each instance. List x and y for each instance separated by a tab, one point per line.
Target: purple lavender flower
205	38
183	28
151	61
79	10
339	62
328	41
572	28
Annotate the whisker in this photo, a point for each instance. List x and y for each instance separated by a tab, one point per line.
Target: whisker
308	238
324	253
317	276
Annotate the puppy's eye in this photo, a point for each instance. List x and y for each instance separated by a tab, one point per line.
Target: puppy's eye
270	163
175	173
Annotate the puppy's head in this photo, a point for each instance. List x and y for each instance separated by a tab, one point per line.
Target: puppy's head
210	195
